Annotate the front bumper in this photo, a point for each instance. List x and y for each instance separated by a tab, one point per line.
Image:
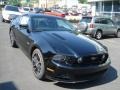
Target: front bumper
68	74
6	17
9	17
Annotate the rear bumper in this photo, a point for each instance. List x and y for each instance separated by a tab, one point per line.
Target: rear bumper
90	32
76	74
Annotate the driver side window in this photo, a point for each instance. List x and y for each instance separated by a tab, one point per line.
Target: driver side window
110	22
24	20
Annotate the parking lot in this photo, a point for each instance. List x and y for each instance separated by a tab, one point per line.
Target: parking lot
16	69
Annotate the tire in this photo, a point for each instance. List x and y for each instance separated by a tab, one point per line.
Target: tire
38	64
2	19
12	40
118	34
98	35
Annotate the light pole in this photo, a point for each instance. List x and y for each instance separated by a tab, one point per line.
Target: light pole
46	3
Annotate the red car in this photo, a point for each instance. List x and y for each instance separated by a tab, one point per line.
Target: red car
55	13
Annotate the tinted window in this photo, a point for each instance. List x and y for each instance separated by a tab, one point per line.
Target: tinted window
12	8
97	20
103	21
63	24
86	19
110	22
50	23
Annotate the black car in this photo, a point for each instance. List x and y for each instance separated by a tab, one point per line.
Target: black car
38	10
56	51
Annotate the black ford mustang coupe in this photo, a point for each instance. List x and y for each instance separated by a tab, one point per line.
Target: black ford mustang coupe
56	51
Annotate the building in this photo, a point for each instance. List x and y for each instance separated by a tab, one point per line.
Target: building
48	3
61	3
109	8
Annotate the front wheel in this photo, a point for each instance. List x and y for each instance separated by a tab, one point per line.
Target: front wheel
98	35
12	40
2	19
38	64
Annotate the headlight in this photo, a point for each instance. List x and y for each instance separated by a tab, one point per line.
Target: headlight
66	59
59	58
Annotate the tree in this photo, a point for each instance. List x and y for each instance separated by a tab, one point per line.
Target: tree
14	2
82	1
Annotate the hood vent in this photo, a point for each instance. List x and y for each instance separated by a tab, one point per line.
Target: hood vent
58	36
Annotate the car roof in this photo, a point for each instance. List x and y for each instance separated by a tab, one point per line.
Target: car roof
38	14
10	6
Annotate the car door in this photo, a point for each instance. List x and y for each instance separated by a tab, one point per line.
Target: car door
22	35
105	26
112	27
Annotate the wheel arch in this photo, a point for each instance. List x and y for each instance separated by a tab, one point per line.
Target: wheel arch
97	31
118	29
32	49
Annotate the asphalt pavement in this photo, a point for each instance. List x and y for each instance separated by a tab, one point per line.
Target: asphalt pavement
16	69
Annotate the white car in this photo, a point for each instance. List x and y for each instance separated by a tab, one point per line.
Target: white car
9	11
24	9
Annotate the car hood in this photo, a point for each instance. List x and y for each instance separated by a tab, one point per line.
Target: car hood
68	43
11	12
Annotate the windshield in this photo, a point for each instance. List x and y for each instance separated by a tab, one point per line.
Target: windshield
86	19
50	23
26	9
12	8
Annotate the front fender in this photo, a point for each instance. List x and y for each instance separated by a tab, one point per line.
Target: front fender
45	48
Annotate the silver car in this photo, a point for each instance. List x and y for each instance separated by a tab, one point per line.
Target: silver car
98	26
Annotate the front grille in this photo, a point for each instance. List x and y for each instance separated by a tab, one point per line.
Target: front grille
94	59
87	60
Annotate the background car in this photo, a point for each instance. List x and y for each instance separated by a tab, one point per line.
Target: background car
98	26
56	12
25	9
38	10
9	11
56	51
73	13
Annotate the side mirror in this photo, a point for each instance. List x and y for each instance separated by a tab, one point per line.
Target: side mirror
25	26
24	23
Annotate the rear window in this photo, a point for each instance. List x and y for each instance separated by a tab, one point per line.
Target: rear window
86	19
12	8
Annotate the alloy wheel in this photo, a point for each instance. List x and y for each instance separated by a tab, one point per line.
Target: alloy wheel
98	35
38	64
